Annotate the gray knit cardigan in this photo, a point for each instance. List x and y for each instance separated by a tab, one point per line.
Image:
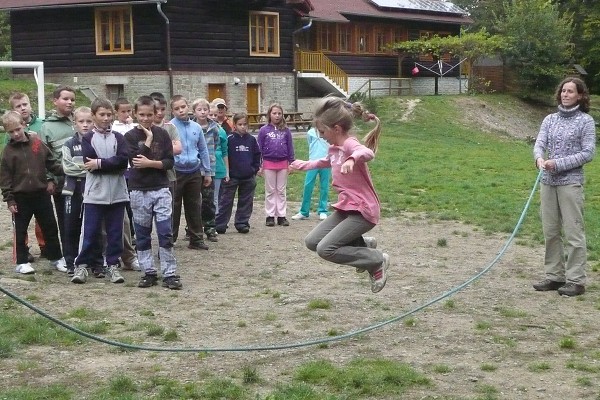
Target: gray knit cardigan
569	137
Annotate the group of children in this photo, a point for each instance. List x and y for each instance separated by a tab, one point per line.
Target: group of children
102	172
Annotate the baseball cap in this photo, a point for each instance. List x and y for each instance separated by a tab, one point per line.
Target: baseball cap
219	101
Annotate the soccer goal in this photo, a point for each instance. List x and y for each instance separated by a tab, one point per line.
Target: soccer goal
38	74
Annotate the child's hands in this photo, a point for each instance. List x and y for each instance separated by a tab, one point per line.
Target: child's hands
13	209
260	172
51	187
226	179
347	166
207	181
92	164
140	161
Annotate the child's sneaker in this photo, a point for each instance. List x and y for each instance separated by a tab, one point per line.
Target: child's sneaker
98	271
283	221
212	236
379	276
80	275
132	266
112	272
24	269
371	243
60	265
199	245
323	216
172	282
148	281
299	217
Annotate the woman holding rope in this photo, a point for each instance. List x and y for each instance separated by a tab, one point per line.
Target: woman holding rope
566	141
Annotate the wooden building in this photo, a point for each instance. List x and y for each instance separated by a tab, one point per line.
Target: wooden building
249	52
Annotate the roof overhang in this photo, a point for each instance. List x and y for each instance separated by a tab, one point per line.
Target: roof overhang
18	5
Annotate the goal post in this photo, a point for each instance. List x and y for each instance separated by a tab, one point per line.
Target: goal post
38	74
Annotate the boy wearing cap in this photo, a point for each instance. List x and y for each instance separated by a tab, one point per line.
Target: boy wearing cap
222	118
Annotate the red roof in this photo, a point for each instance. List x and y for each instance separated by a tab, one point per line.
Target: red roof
339	10
36	4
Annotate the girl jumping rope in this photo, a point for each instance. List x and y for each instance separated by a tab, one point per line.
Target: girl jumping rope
339	237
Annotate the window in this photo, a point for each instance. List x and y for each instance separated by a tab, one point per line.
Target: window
326	37
113	92
114	31
381	41
344	38
362	39
264	34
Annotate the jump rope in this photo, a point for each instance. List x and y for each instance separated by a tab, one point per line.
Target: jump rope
312	342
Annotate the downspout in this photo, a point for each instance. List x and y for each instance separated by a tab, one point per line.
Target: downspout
168	34
301	29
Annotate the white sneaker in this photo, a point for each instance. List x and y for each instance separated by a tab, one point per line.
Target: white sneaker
25	269
80	275
379	276
370	241
136	265
299	217
323	216
60	265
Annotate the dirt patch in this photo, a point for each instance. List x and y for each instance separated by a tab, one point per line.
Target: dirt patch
513	117
254	289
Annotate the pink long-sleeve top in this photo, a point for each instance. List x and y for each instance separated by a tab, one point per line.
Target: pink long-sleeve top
355	189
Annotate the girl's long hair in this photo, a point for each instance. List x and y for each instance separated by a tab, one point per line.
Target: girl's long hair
332	111
281	125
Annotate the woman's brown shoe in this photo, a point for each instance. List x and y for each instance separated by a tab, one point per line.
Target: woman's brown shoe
547	285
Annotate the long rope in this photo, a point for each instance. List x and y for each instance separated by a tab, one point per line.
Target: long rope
291	345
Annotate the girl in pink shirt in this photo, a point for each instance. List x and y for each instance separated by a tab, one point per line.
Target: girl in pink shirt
339	237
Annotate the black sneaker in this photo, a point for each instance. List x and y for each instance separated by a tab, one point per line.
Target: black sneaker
198	246
30	258
270	221
571	289
283	221
221	231
99	271
211	235
148	281
172	282
243	229
547	285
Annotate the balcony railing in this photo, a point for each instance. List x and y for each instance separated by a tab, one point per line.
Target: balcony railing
314	61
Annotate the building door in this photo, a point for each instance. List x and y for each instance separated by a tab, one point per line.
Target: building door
216	90
253	98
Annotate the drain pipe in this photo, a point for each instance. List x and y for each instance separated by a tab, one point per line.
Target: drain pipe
301	29
168	34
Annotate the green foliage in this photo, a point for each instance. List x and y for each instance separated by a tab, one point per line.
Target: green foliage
52	392
538	52
471	46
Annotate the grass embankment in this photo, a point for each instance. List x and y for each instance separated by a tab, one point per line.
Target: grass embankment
436	164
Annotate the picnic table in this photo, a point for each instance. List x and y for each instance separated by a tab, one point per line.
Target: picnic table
292	119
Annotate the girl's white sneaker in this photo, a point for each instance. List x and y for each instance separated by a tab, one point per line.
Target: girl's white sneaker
25	269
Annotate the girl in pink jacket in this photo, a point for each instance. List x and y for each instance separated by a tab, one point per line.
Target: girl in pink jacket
339	237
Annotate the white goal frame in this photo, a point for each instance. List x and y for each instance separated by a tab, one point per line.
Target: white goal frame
38	74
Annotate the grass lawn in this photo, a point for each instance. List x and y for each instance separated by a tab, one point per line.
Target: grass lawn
434	164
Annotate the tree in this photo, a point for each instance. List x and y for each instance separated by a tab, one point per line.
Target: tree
538	37
4	36
586	31
469	46
483	13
